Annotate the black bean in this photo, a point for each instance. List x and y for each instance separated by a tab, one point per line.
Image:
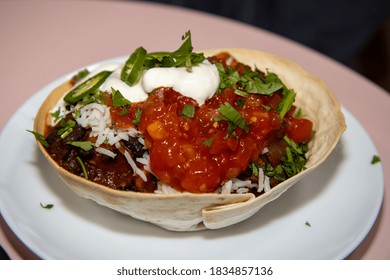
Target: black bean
77	134
135	146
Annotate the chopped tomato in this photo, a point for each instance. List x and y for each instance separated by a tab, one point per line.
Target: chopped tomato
299	130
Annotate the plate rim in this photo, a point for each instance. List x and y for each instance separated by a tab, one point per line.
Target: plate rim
47	89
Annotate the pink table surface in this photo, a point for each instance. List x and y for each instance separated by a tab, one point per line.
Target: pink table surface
44	40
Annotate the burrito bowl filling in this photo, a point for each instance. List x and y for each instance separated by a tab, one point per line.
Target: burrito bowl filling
168	122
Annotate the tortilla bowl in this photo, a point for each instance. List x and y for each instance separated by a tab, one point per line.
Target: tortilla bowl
191	212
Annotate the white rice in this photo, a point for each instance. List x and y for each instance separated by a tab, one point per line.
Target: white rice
106	152
227	187
134	166
163	188
145	161
236	185
97	118
264	182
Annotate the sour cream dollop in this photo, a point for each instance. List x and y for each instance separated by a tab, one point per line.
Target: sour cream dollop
135	93
199	83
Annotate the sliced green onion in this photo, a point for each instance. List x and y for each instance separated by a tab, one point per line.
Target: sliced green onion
67	128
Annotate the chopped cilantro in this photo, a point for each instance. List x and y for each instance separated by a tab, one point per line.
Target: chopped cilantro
255	168
268	86
295	159
208	142
291	164
252	83
47	206
240	103
85	145
138	114
249	82
275	172
375	159
39	137
307	224
299	149
298	113
82	167
123	112
188	111
56	115
93	97
286	102
266	107
182	57
233	117
80	74
118	99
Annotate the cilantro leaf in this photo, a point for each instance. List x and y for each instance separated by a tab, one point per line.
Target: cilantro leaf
233	117
118	99
85	145
182	57
56	115
138	114
295	159
39	137
94	97
254	84
123	112
291	164
80	74
208	142
249	82
287	101
188	111
82	167
47	206
375	159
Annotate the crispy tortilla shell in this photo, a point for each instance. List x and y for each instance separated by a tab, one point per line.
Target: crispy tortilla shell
190	212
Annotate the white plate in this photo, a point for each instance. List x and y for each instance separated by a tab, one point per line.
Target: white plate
340	200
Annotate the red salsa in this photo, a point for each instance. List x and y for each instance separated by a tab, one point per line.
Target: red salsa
197	148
